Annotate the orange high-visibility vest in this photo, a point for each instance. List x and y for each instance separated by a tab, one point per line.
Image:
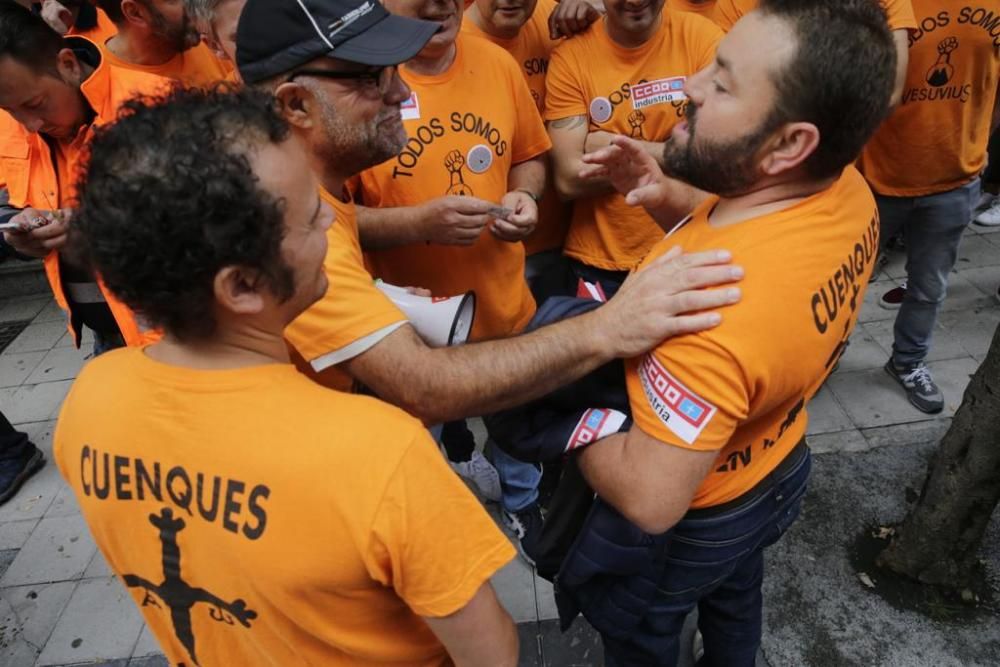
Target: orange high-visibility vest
31	178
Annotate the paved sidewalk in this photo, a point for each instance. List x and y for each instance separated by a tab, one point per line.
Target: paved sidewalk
59	604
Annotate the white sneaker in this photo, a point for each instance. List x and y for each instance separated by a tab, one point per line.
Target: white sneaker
482	474
989	217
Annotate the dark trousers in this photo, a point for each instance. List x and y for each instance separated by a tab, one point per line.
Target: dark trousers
715	562
13	444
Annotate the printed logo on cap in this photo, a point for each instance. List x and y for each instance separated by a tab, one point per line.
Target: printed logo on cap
600	109
480	158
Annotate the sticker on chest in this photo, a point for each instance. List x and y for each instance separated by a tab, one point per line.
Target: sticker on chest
480	158
661	91
601	109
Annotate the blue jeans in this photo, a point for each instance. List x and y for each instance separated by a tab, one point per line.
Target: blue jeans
518	480
715	561
932	227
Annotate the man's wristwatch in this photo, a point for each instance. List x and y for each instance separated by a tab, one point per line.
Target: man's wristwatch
536	198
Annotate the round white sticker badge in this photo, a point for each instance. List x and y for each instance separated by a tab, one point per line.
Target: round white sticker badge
480	158
600	109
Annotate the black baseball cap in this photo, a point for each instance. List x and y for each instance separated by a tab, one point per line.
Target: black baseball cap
276	36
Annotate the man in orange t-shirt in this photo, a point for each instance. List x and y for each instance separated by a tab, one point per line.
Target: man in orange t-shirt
899	12
450	211
158	37
924	165
625	75
343	106
715	466
524	33
268	520
54	92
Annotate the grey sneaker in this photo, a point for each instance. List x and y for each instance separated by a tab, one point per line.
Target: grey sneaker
482	474
919	386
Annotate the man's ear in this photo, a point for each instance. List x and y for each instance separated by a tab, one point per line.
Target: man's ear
790	146
69	68
296	103
136	13
239	290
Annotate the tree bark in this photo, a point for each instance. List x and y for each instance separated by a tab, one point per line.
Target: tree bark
939	539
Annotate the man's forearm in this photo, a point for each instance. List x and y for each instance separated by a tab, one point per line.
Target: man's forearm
528	176
380	228
481	378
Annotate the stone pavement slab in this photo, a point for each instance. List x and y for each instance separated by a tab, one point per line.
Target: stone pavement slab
101	621
61	363
23	309
41	336
826	415
33	402
863	352
59	549
943	346
15	368
28	615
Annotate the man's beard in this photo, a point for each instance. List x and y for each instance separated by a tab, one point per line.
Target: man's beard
181	38
348	150
726	169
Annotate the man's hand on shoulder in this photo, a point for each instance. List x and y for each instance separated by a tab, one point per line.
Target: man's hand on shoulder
574	16
653	304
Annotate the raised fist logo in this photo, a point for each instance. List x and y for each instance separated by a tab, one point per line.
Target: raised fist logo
453	162
635	121
942	71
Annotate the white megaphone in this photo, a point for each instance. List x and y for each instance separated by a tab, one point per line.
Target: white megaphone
440	321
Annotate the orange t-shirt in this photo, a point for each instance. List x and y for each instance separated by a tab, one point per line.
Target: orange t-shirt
353	316
197	66
703	7
936	139
282	523
468	127
531	49
741	389
636	92
728	12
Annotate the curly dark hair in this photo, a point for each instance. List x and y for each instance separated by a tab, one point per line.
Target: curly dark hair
840	78
169	198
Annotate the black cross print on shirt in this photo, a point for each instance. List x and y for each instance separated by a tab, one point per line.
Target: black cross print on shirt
177	594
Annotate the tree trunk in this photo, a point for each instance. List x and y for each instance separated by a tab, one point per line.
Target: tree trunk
938	540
